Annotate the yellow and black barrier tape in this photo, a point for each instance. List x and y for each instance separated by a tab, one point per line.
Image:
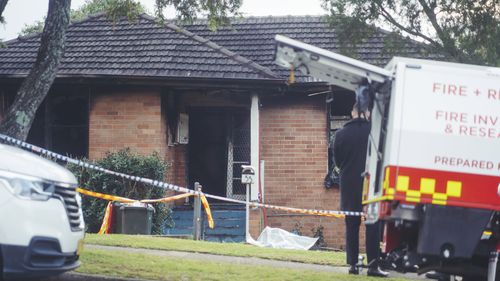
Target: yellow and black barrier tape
127	200
105	196
169	186
113	198
300	211
204	201
105	221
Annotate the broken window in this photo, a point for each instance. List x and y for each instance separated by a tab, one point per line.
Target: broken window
339	113
61	124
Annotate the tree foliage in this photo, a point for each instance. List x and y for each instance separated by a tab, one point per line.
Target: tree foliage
33	28
463	30
217	12
113	8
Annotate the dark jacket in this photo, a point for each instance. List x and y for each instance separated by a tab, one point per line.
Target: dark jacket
350	156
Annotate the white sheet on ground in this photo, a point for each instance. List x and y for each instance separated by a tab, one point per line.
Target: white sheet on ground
279	238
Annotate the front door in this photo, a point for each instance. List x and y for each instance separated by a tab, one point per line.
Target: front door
207	150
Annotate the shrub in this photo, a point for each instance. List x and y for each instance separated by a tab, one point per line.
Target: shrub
318	232
124	161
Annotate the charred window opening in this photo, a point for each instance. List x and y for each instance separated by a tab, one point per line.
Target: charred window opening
7	97
170	104
339	113
62	124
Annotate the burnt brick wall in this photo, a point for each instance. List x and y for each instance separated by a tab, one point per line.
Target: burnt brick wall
294	146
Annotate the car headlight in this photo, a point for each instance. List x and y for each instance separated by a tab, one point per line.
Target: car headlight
32	190
27	187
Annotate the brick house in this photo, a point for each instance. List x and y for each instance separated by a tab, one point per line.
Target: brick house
207	101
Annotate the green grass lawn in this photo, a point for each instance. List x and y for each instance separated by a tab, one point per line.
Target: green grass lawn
227	249
133	265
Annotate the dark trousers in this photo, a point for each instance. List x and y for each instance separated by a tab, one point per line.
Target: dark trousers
373	236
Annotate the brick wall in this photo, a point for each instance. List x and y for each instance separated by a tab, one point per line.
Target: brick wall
176	169
292	139
294	147
126	118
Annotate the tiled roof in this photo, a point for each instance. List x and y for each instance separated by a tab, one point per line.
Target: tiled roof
253	38
97	46
245	50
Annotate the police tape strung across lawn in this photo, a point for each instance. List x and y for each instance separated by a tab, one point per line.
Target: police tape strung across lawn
127	200
113	198
169	186
106	222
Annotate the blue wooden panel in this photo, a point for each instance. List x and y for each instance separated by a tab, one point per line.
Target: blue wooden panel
212	238
182	215
177	231
183	224
229	223
225	231
228	214
225	238
225	206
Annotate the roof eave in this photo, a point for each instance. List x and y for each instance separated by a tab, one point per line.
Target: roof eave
154	80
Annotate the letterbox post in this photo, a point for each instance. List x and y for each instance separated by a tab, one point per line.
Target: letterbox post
247	178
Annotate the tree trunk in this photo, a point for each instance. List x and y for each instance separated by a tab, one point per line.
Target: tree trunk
35	87
3	3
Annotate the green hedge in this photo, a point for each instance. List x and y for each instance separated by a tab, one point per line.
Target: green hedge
124	161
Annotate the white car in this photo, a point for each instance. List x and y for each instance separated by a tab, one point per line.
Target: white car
41	221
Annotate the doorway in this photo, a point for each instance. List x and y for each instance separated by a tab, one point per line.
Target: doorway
219	143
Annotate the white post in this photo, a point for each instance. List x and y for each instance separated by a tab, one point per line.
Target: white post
254	146
247	214
247	178
252	190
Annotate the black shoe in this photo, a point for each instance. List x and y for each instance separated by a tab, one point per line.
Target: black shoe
376	272
354	270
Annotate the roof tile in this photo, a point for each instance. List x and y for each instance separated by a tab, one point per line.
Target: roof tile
244	50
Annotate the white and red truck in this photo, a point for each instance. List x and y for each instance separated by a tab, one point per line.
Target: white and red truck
433	163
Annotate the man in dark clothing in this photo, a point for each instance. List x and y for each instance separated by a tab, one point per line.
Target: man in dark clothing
350	156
